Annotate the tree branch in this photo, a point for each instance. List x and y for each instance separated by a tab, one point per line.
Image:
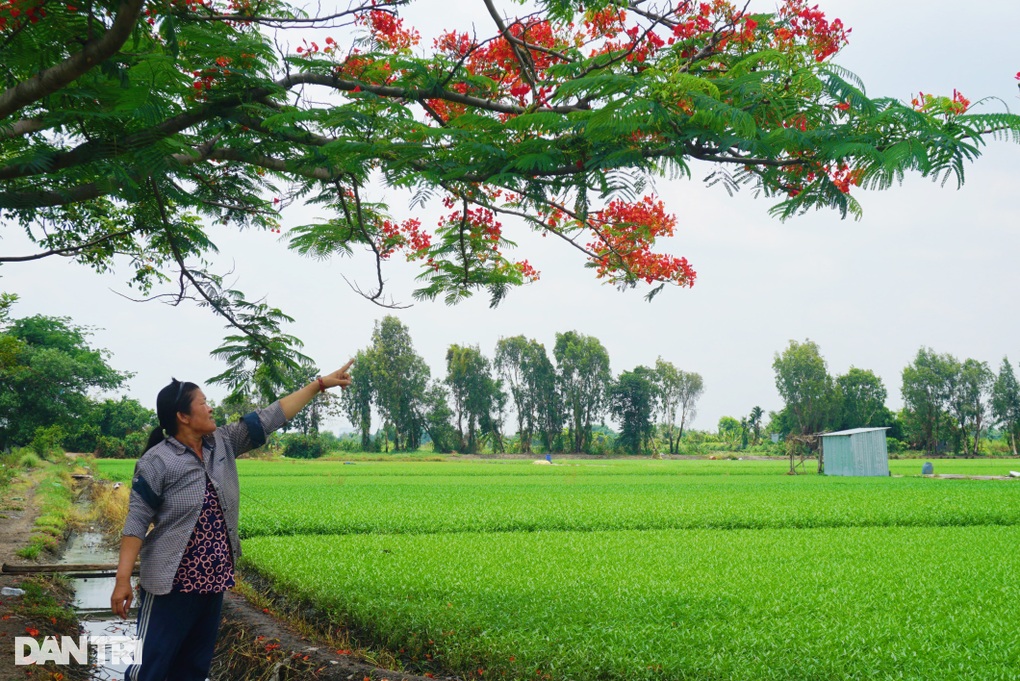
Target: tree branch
277	22
38	198
418	94
186	273
50	80
25	126
101	149
523	58
68	250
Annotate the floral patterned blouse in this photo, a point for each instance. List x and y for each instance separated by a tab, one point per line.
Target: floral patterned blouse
207	565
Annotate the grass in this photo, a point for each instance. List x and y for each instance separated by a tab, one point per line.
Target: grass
613	570
842	603
321	498
53	499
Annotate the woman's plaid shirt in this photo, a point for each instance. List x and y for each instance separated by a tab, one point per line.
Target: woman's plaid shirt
168	487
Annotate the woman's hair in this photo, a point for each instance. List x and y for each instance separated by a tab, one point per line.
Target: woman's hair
173	398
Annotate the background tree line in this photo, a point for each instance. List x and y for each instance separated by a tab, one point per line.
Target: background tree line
949	404
50	376
550	404
47	372
522	399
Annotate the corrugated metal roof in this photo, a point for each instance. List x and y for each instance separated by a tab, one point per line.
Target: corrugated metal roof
852	431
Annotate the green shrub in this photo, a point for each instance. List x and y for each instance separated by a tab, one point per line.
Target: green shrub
349	443
29	459
303	447
47	441
110	447
134	444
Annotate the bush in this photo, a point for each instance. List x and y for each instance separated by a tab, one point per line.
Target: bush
109	447
47	441
304	447
134	444
602	443
29	459
894	446
349	443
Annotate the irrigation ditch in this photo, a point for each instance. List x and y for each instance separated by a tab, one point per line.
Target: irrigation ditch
263	636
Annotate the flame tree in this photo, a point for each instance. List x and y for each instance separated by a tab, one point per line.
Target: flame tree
128	126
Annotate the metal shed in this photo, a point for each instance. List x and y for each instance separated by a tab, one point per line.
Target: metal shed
858	451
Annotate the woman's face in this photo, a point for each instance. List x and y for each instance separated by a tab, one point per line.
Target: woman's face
200	419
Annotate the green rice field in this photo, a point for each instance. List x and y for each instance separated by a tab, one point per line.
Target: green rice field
648	569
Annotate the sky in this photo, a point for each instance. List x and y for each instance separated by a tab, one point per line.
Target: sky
927	265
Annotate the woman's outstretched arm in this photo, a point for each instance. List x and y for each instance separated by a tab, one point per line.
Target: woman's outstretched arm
296	401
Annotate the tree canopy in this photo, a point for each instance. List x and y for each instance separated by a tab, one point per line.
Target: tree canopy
804	383
47	372
127	128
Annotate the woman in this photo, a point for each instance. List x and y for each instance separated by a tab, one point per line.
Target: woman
185	485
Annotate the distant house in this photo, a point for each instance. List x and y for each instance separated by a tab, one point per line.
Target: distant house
858	451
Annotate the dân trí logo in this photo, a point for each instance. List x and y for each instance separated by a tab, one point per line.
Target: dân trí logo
108	649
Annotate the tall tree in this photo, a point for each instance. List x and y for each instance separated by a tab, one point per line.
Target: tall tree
476	395
550	413
438	417
805	385
399	381
632	400
525	367
1006	402
970	404
47	372
688	391
679	392
927	388
861	395
559	117
583	375
357	399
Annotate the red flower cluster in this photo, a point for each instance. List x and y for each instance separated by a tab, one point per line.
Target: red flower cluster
205	79
14	12
605	23
388	30
698	22
407	234
453	43
625	233
530	274
960	103
824	37
498	61
843	177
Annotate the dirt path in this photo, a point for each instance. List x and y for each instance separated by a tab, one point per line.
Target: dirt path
18	513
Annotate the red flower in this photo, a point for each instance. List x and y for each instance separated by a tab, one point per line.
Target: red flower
31	631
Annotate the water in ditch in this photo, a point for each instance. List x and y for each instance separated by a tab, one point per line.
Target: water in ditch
92	597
